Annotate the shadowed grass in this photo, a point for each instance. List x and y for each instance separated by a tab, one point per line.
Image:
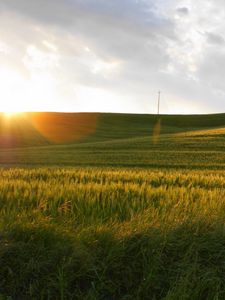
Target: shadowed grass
112	234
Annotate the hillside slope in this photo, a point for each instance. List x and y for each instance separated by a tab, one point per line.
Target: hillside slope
115	140
42	129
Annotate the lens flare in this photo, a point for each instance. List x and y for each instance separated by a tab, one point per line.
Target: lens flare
61	128
156	132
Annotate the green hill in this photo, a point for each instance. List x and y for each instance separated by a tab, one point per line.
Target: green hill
94	139
36	129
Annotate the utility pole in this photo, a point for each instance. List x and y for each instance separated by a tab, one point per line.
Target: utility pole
159	96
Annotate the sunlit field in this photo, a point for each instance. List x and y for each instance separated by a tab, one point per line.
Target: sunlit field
126	211
112	234
112	140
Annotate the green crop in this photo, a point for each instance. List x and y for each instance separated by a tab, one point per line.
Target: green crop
112	234
112	207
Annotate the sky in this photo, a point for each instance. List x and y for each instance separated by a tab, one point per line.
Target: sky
112	55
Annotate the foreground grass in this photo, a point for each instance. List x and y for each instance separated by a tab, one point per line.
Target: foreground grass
112	234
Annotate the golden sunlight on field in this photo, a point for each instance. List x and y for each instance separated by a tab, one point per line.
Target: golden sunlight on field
56	128
11	114
17	128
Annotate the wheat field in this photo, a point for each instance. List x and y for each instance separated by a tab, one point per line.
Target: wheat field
132	208
112	234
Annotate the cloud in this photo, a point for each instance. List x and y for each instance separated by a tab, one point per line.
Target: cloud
183	11
124	49
214	38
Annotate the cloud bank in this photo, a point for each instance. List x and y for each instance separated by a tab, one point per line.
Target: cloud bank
112	55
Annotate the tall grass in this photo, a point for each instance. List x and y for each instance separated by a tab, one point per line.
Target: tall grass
112	234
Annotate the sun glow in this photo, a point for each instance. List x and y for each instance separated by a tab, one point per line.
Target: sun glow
20	93
13	92
11	114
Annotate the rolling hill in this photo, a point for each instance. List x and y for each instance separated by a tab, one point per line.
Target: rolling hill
95	139
31	129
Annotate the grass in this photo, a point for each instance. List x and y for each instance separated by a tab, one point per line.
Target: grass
113	140
112	234
129	210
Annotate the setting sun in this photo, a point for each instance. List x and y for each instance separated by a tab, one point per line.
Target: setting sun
10	114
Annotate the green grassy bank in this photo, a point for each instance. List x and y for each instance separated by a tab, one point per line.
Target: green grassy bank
111	140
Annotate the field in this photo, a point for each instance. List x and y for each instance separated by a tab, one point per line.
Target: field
113	140
131	208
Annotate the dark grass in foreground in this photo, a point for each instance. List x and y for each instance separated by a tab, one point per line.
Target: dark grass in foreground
112	234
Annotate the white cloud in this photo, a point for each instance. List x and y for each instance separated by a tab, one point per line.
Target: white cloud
121	52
